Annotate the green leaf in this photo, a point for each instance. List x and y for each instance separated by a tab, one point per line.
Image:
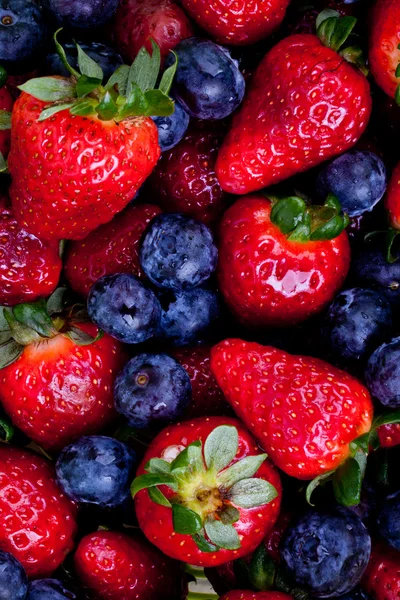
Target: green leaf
5	336
288	213
315	483
387	419
158	465
303	230
35	316
243	469
168	76
107	109
185	521
249	493
229	515
135	104
120	79
223	536
143	482
158	104
88	66
3	164
9	352
158	497
344	27
262	570
203	544
144	70
49	89
53	110
329	230
85	85
84	108
326	14
355	56
5	120
190	458
4	326
397	73
221	447
326	30
3	76
347	482
63	56
361	443
80	337
22	334
6	430
55	304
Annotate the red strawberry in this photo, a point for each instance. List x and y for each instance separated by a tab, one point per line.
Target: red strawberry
216	513
268	278
54	388
384	54
382	577
6	104
37	522
389	435
112	248
236	23
29	267
207	397
184	179
115	566
392	198
247	595
305	105
302	411
138	21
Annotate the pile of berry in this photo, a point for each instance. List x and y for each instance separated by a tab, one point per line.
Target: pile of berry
199	299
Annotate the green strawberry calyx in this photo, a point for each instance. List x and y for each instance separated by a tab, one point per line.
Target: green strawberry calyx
397	75
130	91
304	223
207	490
3	76
37	322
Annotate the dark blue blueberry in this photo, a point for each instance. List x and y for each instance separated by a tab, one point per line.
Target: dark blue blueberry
108	59
152	389
357	178
358	320
371	269
13	580
82	14
124	308
383	374
188	317
389	520
208	82
327	552
96	470
23	33
356	594
172	129
177	252
48	589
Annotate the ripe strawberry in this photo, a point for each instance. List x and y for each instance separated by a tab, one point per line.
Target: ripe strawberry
273	277
115	566
37	522
389	435
392	198
207	397
216	511
247	595
305	105
29	267
384	54
112	248
139	21
6	104
302	411
382	577
74	165
56	382
237	24
184	179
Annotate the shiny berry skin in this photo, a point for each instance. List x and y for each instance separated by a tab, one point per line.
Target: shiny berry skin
383	374
40	532
267	279
172	129
29	267
82	14
6	103
322	105
388	520
57	391
384	54
389	435
49	589
369	268
13	580
109	249
64	188
382	577
392	199
115	566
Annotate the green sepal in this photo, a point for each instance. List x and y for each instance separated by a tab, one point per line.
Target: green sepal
36	317
250	493
329	230
63	56
326	14
158	497
87	66
145	68
315	483
221	447
85	85
143	482
22	334
347	482
397	95
3	76
49	89
4	326
190	459
53	110
10	351
243	469
203	544
6	430
5	120
303	230
56	302
168	76
334	31
82	338
107	108
119	79
229	515
262	570
361	443
387	419
158	465
223	536
185	521
84	107
3	164
288	213
355	56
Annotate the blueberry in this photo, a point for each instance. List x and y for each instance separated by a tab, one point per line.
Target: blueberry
96	470
208	82
23	33
327	552
152	389
383	374
172	129
48	589
108	59
187	317
356	594
124	308
13	580
177	252
357	178
82	14
371	269
389	520
358	320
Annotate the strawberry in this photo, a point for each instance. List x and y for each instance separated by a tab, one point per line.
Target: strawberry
384	52
114	566
210	508
234	23
112	248
100	145
302	411
270	271
184	179
305	105
392	198
207	397
6	104
382	577
57	379
139	21
29	267
389	435
247	595
37	522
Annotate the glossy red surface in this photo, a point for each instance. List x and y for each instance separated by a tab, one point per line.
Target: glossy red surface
382	577
247	595
384	54
389	435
